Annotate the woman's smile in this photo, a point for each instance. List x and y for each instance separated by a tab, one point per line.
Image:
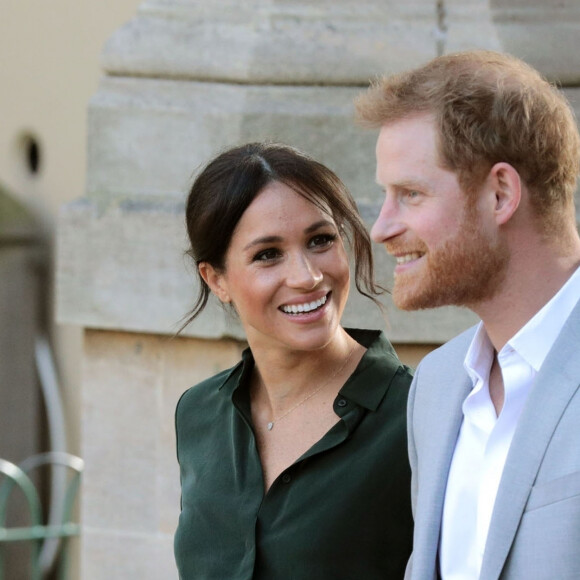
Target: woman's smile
305	307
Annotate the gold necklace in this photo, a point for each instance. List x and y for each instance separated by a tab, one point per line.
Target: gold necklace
270	425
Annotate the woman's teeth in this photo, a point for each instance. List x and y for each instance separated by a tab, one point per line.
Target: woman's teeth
307	307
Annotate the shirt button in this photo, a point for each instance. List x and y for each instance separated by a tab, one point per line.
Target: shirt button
286	478
342	402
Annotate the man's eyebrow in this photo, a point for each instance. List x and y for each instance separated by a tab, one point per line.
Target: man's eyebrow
406	184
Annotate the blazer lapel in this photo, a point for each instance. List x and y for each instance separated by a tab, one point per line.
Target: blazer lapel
439	419
556	383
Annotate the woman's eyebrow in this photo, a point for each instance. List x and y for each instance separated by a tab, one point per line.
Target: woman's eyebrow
318	225
263	240
277	239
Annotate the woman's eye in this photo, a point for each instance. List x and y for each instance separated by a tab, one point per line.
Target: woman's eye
322	240
266	255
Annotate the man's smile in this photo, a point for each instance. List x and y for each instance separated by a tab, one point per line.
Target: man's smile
406	258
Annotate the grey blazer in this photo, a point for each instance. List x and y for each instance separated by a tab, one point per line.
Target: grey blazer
535	527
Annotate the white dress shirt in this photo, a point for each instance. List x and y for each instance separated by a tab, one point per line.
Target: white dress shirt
485	438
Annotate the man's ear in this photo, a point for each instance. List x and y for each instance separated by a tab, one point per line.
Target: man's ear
214	280
506	184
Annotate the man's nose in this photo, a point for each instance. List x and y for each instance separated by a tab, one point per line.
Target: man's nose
388	223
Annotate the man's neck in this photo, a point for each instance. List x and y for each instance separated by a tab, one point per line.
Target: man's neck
525	291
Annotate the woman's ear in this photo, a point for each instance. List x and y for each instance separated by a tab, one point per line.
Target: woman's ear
506	184
215	280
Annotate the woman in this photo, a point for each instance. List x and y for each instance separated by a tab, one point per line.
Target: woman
294	462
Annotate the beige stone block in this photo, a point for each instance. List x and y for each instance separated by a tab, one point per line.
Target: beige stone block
109	555
466	25
573	96
121	431
544	33
124	268
336	42
150	136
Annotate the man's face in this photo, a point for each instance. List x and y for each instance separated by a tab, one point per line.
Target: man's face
448	250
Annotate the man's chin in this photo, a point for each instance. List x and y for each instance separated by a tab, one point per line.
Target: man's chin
407	299
409	305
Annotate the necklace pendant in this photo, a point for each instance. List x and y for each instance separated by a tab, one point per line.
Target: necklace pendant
270	425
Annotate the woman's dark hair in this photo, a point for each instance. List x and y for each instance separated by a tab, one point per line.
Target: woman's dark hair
229	183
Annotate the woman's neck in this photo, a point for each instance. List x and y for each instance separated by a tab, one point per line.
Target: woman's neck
283	376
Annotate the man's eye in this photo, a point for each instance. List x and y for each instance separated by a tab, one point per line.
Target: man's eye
266	255
322	240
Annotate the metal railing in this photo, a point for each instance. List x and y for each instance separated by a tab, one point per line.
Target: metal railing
50	539
51	536
40	491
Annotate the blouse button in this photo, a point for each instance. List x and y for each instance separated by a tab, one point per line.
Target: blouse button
286	478
342	402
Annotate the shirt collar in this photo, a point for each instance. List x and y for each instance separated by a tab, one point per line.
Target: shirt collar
375	370
479	355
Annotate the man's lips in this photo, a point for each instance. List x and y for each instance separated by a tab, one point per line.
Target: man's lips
409	257
407	251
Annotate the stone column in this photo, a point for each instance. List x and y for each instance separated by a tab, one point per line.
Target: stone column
183	80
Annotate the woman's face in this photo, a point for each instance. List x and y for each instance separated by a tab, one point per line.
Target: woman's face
286	272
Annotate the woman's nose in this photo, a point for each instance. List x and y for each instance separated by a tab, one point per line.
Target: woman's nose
303	273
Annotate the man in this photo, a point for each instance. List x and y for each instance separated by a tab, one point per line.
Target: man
478	157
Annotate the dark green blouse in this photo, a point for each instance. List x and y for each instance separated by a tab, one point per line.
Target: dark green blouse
341	512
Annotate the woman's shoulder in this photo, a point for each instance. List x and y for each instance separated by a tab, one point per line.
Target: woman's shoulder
202	394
